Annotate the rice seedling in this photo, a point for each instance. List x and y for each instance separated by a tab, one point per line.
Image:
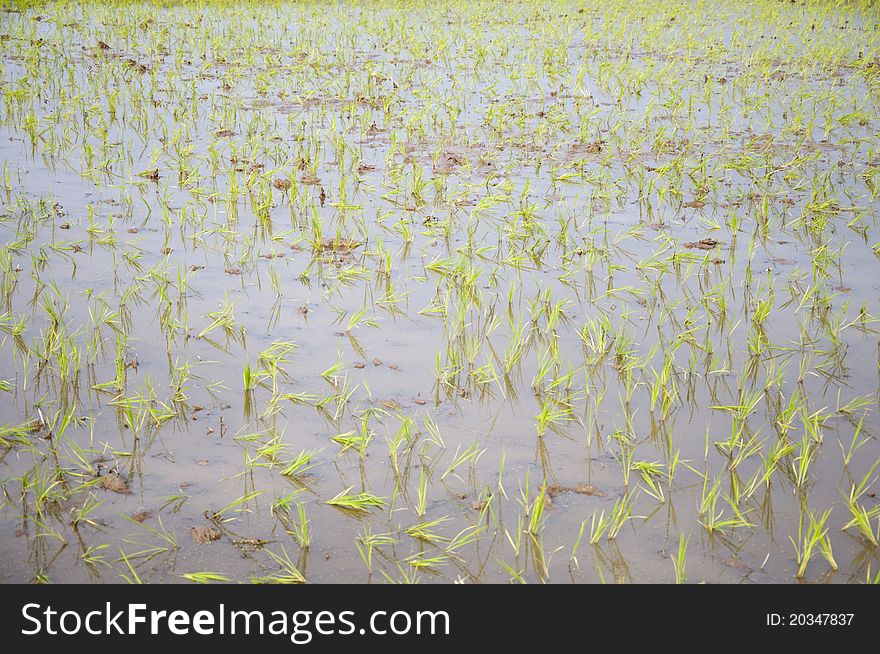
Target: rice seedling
425	530
465	537
131	577
620	514
712	515
356	502
205	577
353	440
421	561
536	513
678	563
861	516
288	573
299	528
811	535
471	454
598	526
240	504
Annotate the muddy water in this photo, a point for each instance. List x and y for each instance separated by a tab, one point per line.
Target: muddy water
560	154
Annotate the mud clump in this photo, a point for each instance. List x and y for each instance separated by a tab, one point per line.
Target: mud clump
702	244
204	535
113	481
554	490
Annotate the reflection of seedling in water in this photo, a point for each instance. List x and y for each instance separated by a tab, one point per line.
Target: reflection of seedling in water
206	577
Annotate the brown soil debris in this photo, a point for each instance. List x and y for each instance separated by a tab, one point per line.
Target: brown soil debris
204	535
588	489
113	481
554	490
141	516
702	244
339	244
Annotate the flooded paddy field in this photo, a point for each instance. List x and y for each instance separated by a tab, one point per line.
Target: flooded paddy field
440	292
